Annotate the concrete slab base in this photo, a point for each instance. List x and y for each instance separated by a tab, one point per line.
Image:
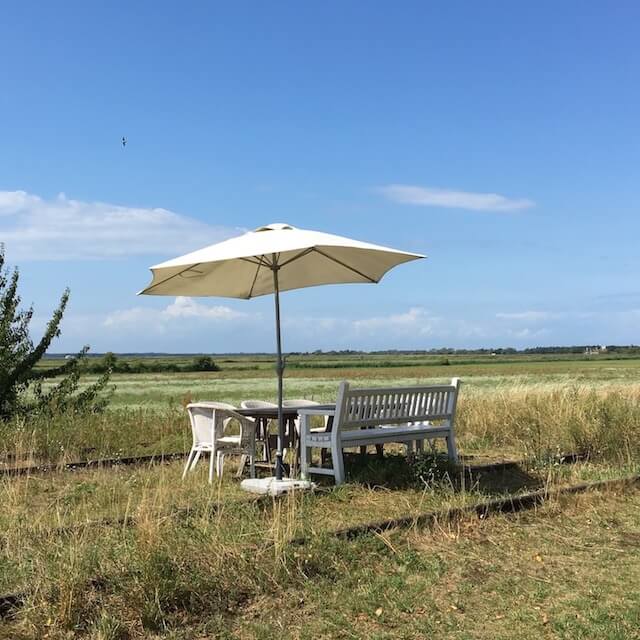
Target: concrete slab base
275	487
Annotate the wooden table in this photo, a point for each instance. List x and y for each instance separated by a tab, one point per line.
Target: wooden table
265	415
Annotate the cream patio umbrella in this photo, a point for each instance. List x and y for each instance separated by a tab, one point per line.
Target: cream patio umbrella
271	259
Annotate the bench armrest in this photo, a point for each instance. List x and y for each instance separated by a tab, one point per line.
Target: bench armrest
311	411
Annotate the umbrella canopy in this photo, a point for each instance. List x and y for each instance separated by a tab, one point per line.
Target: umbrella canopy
242	267
274	258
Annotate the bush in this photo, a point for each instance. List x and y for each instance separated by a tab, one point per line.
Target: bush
204	363
21	388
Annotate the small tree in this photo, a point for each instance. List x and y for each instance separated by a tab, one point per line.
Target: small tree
204	363
19	356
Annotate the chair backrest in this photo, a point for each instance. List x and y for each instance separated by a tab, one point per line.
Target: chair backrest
257	404
202	416
302	402
356	408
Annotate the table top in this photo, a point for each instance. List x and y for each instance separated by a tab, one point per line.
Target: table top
287	412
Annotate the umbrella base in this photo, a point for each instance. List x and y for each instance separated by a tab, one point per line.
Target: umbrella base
274	487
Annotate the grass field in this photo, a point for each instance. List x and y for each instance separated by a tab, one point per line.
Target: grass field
134	552
317	376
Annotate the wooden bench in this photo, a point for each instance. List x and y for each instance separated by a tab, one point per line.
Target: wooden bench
378	416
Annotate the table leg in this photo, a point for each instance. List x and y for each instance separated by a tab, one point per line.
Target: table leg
293	444
263	429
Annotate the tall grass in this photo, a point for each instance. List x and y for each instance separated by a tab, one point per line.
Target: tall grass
198	555
68	437
604	424
523	421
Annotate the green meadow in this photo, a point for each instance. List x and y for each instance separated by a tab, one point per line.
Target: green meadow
119	553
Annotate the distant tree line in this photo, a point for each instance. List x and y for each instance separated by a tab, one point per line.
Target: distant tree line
448	351
111	363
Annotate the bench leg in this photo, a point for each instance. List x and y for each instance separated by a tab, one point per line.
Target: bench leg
380	451
451	447
305	460
338	464
305	452
409	446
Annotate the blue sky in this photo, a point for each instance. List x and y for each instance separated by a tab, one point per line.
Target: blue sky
501	139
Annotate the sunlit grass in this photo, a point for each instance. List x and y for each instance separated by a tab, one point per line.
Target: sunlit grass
135	552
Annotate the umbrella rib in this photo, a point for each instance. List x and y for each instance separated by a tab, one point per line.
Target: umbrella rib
260	263
252	260
175	275
345	265
302	254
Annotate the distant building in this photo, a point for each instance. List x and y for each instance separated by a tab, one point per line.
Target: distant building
594	351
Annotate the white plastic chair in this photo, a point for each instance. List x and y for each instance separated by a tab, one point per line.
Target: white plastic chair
257	404
263	437
209	421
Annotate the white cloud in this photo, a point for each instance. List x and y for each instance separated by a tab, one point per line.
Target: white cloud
181	310
190	325
527	333
530	316
415	321
434	197
34	228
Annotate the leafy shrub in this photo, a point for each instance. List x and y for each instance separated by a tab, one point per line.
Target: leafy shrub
21	389
204	363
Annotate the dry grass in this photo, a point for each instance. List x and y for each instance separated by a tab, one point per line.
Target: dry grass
185	556
567	571
115	554
531	421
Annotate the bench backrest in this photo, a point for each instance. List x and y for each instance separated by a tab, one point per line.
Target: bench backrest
356	408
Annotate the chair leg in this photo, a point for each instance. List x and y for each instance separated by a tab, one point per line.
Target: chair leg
195	459
189	459
212	455
242	465
220	463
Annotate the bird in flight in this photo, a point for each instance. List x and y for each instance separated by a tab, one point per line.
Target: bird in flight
124	141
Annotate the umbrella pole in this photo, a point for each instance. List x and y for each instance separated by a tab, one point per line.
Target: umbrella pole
280	372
